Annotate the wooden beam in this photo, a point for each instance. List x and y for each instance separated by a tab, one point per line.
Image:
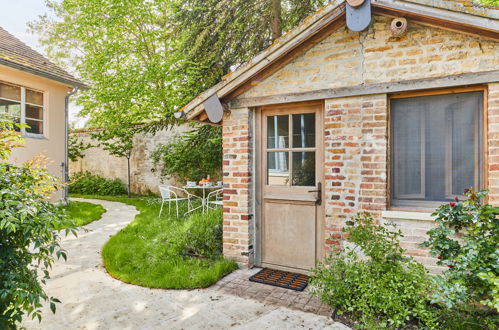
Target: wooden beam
443	19
464	79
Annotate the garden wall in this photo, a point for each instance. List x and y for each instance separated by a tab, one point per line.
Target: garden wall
145	177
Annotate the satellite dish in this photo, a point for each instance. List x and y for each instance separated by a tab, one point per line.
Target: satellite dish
214	109
358	14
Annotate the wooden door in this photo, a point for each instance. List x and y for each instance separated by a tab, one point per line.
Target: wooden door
290	195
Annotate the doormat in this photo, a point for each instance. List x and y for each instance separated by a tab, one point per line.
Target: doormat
282	279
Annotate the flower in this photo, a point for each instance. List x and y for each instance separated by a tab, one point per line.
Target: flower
452	204
450	266
439	257
456	199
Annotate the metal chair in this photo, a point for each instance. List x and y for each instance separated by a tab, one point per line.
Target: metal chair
171	194
217	197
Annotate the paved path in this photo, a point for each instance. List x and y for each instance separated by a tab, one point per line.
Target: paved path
91	299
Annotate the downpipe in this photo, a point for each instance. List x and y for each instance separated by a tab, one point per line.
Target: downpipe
66	145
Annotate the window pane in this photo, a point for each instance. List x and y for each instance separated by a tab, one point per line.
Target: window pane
303	168
35	127
10	108
464	143
33	112
277	132
277	168
436	146
10	92
304	130
34	97
407	148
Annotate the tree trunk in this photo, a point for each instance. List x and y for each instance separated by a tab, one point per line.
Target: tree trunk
129	185
276	22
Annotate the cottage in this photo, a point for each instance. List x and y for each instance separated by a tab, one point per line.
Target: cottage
34	91
394	119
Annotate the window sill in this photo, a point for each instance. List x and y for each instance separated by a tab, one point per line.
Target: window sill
34	136
406	215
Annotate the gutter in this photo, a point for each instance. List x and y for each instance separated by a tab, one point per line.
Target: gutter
66	144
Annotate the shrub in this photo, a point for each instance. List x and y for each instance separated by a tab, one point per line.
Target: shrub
202	234
467	242
29	234
85	183
193	156
382	288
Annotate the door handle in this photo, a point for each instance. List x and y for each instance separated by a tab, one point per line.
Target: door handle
319	193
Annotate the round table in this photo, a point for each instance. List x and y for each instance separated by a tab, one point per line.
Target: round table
204	201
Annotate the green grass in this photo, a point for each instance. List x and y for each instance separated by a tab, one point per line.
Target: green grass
83	213
157	252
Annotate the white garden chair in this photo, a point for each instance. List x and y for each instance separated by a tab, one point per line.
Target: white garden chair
215	198
171	194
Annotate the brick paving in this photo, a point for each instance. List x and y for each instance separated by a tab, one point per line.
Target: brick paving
238	284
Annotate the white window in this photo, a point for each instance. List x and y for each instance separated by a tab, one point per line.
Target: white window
22	106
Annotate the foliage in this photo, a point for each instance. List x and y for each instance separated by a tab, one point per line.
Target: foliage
155	252
202	235
467	242
383	288
29	234
144	60
76	147
9	138
83	213
88	183
192	156
489	2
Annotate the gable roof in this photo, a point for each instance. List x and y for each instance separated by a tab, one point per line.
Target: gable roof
16	54
465	18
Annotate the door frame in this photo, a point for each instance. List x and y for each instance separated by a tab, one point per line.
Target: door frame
260	177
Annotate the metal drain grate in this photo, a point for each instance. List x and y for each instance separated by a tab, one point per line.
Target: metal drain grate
282	279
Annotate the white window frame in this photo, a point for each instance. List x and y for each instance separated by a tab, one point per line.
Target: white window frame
23	111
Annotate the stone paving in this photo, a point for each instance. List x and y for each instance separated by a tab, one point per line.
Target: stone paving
93	300
238	284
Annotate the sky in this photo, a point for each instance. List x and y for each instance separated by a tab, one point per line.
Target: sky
14	17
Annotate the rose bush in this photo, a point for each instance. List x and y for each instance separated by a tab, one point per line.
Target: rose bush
466	241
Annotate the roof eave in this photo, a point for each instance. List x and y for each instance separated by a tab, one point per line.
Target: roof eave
14	65
384	7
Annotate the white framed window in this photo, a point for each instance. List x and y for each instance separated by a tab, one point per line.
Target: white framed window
436	148
23	106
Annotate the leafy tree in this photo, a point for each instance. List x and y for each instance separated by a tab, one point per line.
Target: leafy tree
29	233
76	147
192	156
145	59
118	142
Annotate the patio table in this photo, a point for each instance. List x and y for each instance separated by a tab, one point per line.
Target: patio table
204	200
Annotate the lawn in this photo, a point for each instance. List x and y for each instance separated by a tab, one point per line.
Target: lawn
83	213
166	252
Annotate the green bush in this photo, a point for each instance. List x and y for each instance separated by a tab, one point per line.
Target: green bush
192	156
373	282
86	183
30	229
473	259
202	235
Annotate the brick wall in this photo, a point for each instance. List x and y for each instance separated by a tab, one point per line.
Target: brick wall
355	139
238	181
493	137
347	58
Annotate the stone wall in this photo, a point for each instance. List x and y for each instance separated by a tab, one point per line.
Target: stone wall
238	225
347	58
145	177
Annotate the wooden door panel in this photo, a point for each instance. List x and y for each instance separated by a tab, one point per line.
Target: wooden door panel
289	234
